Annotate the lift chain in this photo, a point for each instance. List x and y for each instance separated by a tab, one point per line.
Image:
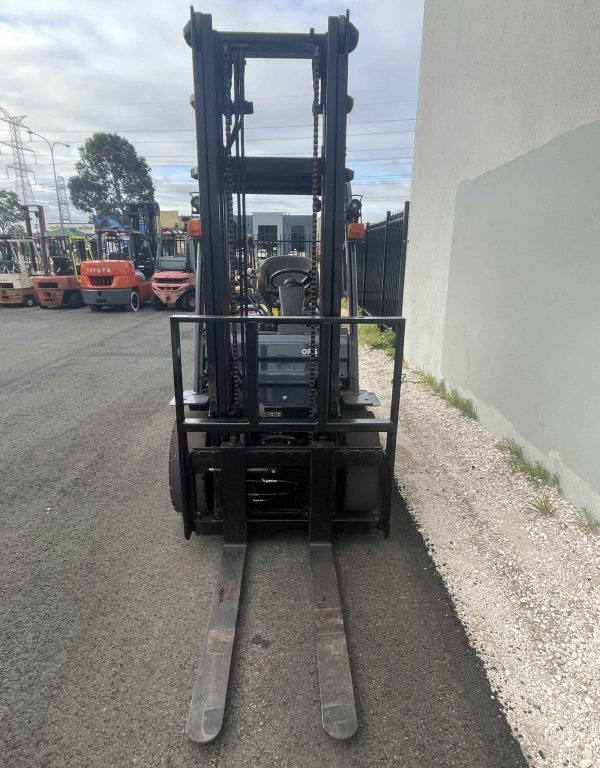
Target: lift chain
313	251
230	221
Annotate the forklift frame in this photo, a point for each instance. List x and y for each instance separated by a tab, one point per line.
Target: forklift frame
227	335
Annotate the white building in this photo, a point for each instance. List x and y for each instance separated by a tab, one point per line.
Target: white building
503	272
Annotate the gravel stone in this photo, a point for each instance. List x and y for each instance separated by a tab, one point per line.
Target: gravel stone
525	585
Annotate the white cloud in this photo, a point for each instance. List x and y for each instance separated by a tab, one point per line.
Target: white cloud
78	67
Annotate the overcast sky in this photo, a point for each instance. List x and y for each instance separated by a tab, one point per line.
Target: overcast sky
105	65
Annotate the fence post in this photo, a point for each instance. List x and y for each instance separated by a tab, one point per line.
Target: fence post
361	303
383	268
403	246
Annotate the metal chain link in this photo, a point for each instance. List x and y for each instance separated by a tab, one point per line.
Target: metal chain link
313	254
230	221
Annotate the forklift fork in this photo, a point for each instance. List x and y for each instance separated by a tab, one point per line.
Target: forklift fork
338	711
205	717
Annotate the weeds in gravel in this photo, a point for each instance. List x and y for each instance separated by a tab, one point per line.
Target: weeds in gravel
462	403
543	504
373	337
452	396
535	469
587	521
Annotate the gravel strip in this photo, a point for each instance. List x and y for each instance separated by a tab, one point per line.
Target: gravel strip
524	584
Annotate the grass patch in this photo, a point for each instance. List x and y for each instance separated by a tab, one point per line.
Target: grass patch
535	469
462	403
451	396
587	521
371	336
543	504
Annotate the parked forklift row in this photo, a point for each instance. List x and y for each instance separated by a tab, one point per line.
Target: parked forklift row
125	268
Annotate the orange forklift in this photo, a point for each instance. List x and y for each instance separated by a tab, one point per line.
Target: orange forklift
121	274
61	288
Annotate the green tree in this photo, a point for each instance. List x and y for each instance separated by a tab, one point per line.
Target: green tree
11	215
109	174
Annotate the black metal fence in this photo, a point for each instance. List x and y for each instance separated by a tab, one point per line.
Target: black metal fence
380	265
300	246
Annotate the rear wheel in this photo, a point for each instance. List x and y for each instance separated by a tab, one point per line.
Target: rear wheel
134	302
156	303
94	308
188	302
75	301
30	301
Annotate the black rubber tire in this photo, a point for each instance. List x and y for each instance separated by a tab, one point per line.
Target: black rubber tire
30	301
156	303
75	301
188	302
134	302
95	308
363	491
196	440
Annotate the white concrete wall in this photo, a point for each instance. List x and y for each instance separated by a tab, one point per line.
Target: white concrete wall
503	270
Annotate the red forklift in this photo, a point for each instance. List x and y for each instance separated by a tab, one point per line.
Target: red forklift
174	282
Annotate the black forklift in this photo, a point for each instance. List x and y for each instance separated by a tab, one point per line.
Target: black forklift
275	432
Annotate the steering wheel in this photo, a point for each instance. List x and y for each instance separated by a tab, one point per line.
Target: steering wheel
304	282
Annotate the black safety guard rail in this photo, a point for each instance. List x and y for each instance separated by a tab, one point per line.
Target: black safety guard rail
252	422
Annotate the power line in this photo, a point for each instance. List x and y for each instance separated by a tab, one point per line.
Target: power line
246	128
186	101
176	160
250	140
180	157
379	180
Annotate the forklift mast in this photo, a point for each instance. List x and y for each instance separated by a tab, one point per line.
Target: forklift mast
142	226
275	432
37	211
224	171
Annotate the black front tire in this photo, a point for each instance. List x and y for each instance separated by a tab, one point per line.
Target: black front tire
156	303
30	301
195	440
188	302
75	301
134	302
94	308
363	492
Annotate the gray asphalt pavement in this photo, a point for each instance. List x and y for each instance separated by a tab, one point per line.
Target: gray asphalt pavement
104	604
